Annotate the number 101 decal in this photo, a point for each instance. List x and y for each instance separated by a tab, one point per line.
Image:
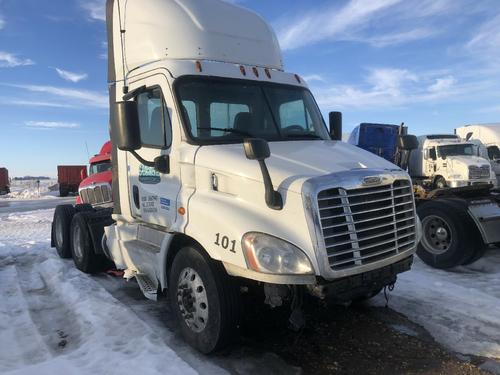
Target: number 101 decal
225	242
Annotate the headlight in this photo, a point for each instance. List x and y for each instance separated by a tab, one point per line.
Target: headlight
268	254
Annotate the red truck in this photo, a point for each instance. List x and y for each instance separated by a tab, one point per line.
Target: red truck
4	181
69	178
96	188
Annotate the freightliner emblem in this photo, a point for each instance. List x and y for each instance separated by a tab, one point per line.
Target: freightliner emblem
372	180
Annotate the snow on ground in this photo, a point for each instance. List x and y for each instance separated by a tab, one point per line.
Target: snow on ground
459	307
54	319
29	190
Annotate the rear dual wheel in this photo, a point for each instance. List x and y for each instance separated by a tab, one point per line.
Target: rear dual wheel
82	247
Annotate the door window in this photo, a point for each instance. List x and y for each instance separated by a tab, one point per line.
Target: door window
154	121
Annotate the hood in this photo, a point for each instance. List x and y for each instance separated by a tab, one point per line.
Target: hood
97	178
468	160
291	161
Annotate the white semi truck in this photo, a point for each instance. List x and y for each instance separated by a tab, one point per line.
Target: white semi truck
445	160
488	136
225	175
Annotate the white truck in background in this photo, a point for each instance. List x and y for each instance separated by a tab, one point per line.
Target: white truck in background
226	178
445	160
487	139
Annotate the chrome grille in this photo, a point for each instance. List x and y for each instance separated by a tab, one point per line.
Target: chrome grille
365	225
96	195
476	172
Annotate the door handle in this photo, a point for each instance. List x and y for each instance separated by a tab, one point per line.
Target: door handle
135	193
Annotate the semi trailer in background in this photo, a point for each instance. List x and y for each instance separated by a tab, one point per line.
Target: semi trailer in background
4	181
488	136
460	216
226	179
96	188
69	178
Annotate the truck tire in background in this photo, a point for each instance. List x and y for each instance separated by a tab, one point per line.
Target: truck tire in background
204	301
82	248
63	191
449	236
61	225
439	183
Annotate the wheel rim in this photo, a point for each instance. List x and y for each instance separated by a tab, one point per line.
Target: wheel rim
59	231
77	243
192	300
437	234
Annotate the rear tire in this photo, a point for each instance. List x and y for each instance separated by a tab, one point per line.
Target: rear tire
61	225
204	300
449	235
478	254
82	248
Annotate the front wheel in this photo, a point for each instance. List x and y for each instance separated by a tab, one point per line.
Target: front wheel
204	300
440	183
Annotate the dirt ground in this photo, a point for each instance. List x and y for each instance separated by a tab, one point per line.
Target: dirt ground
352	340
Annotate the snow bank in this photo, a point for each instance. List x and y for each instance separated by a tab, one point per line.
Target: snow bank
55	320
460	307
29	190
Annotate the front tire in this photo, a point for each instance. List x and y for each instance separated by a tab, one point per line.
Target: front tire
82	248
449	238
204	300
61	225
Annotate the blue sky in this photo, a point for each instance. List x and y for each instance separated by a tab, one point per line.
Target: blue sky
434	64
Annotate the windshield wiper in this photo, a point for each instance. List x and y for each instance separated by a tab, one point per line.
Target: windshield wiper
229	130
303	135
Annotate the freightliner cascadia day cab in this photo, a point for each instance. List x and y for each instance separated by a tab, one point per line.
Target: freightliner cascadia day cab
226	178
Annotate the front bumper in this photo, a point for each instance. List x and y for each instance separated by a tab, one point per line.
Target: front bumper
357	286
462	183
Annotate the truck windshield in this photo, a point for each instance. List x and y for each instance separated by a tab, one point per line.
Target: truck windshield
100	167
456	150
227	111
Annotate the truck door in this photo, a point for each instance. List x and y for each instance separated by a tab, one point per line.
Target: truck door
153	195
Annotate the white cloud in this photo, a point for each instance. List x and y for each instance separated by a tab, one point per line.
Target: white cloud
379	23
330	23
2	22
51	125
313	77
96	9
10	60
73	97
70	76
486	41
387	88
34	103
442	84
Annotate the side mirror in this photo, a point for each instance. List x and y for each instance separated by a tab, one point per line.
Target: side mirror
407	142
432	154
126	133
468	136
336	125
256	149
